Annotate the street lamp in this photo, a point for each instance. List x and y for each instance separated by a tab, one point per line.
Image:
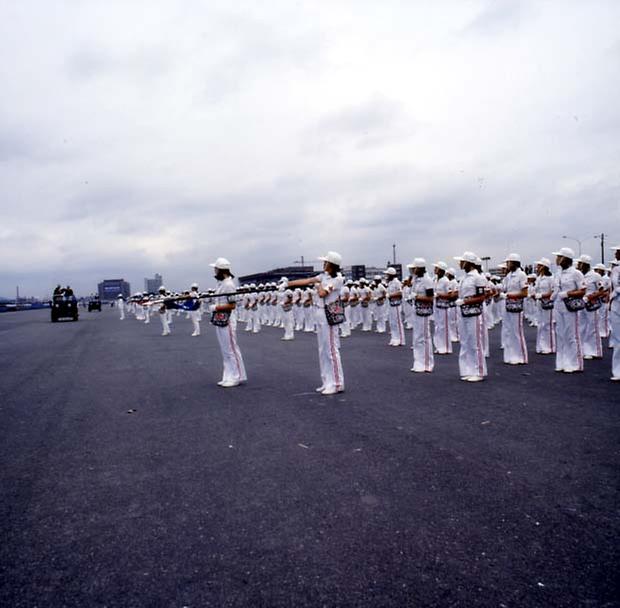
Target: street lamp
486	259
572	238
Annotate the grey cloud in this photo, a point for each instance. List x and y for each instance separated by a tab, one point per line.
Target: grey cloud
373	123
250	48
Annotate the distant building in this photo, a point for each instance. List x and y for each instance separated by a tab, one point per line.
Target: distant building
152	285
110	288
273	276
358	271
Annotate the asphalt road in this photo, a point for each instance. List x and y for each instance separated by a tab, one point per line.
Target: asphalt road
130	479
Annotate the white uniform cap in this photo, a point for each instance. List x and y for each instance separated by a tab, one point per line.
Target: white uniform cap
120	295
377	277
468	256
441	265
417	263
221	264
543	262
451	271
252	285
565	252
599	267
615	247
332	257
391	271
283	279
513	257
502	265
162	288
585	259
194	285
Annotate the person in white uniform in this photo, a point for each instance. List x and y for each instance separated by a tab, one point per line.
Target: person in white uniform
395	299
515	289
568	296
163	313
365	296
441	318
472	362
614	316
328	288
286	303
379	295
422	292
195	314
589	319
605	285
120	302
224	318
453	314
545	321
345	327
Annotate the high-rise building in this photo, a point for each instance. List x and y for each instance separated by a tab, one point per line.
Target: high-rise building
110	288
152	285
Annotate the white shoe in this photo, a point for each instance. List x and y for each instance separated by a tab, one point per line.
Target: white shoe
319	389
475	379
465	378
229	384
588	357
165	333
220	383
615	378
195	334
329	391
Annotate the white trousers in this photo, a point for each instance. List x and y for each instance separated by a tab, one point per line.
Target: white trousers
195	316
614	338
366	318
515	349
289	324
330	365
397	331
545	334
234	369
423	360
471	354
589	322
165	324
454	315
443	343
569	356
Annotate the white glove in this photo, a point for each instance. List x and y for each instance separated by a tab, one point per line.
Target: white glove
459	302
283	284
212	307
413	297
538	296
502	296
563	295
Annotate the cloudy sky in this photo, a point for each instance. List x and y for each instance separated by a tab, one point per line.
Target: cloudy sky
141	137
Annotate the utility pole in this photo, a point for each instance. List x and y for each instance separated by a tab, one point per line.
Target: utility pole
394	253
17	294
300	261
602	237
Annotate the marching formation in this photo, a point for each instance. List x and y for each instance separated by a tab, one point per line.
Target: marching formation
573	304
